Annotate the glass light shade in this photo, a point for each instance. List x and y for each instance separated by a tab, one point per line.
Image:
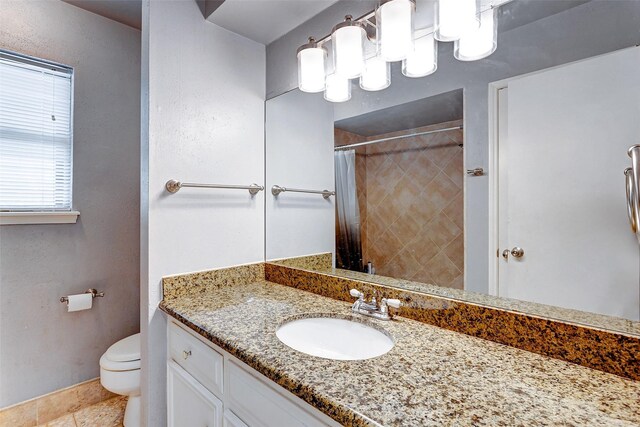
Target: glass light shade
376	74
311	67
423	60
455	18
338	88
348	48
481	42
394	20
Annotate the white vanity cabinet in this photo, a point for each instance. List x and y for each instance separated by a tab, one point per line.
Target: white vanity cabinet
208	387
190	404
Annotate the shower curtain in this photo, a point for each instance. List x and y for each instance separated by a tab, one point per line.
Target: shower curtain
348	245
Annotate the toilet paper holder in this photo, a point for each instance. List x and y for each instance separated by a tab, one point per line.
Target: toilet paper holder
94	294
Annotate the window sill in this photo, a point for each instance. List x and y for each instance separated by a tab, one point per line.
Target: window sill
20	218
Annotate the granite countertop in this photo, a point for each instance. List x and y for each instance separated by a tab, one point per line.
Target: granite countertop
431	377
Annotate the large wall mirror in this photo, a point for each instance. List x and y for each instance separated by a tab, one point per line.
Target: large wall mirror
505	181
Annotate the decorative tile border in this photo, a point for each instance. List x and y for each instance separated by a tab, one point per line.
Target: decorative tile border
590	347
52	406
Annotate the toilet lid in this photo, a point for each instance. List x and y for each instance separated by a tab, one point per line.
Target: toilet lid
125	350
108	365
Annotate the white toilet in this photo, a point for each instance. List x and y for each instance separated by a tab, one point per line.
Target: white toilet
120	374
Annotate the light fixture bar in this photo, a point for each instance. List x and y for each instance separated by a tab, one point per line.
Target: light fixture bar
418	49
365	19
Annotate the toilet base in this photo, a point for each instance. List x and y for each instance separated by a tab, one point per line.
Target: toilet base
132	412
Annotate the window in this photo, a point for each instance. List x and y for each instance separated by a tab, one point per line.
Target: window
35	135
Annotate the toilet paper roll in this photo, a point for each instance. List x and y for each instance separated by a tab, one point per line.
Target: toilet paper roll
80	302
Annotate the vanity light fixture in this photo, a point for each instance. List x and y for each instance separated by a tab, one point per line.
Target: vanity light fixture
389	32
348	47
394	25
338	88
376	74
311	66
481	42
455	18
423	60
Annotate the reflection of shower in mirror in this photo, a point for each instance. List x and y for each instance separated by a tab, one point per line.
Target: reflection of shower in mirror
399	196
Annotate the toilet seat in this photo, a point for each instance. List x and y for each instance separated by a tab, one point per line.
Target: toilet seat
124	355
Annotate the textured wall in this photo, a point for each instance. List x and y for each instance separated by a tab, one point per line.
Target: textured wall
590	29
203	94
410	199
42	347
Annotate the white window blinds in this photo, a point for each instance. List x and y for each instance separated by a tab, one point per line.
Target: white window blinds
35	135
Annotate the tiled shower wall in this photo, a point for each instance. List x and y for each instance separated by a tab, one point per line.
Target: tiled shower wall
411	204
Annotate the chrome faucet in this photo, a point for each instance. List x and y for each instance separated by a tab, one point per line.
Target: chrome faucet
372	308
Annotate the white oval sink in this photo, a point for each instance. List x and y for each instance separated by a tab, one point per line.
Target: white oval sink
332	338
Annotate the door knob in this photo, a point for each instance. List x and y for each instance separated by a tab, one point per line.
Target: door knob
517	252
505	254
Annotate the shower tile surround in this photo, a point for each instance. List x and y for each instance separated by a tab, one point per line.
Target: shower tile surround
234	307
411	204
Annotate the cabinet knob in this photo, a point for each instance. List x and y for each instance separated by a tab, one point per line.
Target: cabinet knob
186	354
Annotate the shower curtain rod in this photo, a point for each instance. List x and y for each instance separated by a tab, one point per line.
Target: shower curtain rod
391	138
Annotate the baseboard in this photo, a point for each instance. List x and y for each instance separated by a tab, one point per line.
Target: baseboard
56	404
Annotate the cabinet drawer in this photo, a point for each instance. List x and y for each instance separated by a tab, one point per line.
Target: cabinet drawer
201	361
259	405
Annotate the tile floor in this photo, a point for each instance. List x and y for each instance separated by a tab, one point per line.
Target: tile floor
108	413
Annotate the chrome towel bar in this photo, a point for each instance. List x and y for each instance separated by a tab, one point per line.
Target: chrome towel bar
93	292
173	186
276	189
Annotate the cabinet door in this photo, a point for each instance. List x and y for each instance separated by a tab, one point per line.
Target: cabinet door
232	420
189	404
253	398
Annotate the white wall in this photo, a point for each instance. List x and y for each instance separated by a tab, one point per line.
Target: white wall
299	147
205	111
42	347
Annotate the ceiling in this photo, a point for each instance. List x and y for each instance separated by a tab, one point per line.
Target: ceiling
264	21
128	12
441	108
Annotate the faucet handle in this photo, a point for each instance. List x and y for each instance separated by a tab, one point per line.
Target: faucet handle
356	293
393	303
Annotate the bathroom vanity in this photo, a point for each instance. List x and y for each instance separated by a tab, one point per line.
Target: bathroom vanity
226	366
208	386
